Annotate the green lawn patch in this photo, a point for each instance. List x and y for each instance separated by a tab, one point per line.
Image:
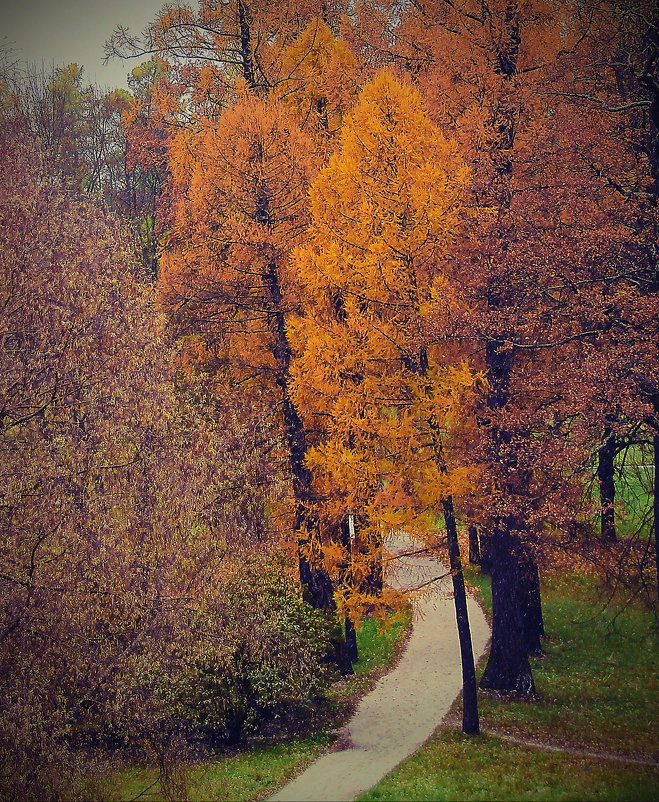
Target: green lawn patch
455	767
249	774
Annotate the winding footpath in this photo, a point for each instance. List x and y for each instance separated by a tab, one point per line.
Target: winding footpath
406	706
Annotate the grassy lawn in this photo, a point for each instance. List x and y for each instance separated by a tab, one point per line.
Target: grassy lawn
597	690
249	774
452	766
259	769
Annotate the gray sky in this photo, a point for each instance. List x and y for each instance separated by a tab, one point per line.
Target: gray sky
61	31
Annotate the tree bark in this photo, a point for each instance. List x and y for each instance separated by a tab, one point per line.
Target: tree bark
508	668
246	57
531	604
655	505
486	554
316	583
351	641
607	488
474	545
470	722
347	535
371	548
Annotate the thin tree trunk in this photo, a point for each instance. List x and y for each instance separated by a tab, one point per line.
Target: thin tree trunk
316	583
655	505
246	57
370	547
607	487
351	641
486	555
345	577
474	545
470	723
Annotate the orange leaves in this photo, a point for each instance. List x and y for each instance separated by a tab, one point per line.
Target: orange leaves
384	210
318	78
392	194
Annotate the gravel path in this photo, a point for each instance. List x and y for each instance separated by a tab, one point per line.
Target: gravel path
405	707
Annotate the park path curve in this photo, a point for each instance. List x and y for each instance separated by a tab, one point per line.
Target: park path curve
406	706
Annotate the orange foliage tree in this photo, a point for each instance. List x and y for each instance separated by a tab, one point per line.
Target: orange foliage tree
225	279
381	404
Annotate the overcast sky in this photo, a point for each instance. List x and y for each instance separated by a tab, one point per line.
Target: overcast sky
61	31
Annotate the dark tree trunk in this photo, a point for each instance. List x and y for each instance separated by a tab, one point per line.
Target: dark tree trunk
486	553
246	57
532	618
370	547
316	583
470	723
607	488
508	668
317	588
351	640
474	545
340	654
655	505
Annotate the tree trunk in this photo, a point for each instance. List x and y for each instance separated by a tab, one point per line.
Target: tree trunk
370	547
474	545
508	668
534	627
470	723
246	58
347	536
607	488
486	553
316	583
351	641
655	505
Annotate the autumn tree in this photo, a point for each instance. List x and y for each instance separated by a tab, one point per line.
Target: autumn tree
380	403
487	71
240	38
225	280
132	570
319	80
200	61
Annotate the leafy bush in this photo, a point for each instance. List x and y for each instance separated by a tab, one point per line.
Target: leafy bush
260	656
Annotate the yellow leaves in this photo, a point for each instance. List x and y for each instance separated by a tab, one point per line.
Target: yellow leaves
348	472
319	78
384	209
165	102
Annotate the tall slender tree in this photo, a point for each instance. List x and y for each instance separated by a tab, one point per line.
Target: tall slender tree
384	209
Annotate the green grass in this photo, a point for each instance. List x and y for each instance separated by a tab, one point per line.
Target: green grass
251	774
452	766
258	770
597	690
